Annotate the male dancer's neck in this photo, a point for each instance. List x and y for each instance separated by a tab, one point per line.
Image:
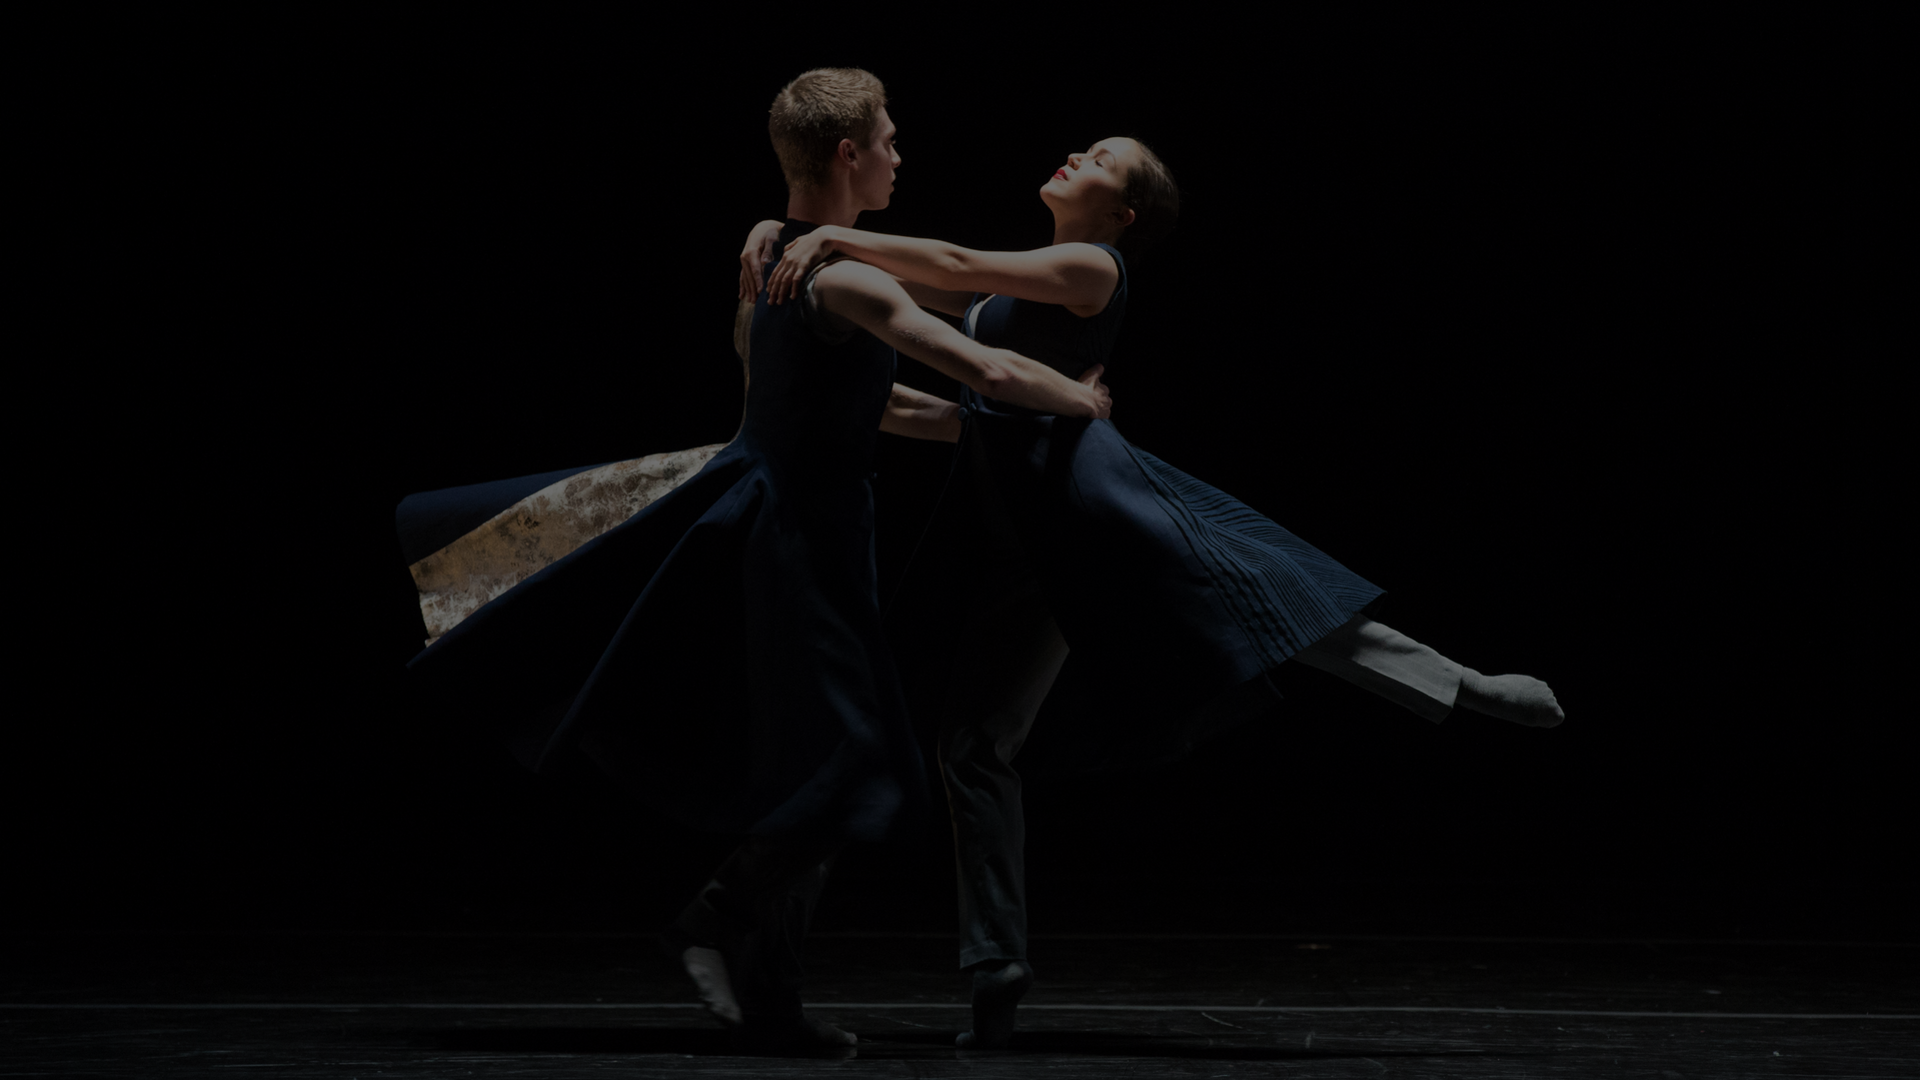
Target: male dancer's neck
824	206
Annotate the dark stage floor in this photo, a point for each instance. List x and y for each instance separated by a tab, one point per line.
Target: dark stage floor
373	1005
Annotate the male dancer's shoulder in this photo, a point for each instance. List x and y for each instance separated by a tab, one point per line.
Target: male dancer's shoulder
854	295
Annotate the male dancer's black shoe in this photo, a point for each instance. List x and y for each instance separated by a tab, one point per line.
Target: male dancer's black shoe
996	995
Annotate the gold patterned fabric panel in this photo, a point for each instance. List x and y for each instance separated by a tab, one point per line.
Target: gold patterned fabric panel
540	529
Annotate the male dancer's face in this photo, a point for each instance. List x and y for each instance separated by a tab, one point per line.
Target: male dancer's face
874	165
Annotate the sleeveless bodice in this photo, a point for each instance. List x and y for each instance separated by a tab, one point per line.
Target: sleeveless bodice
1049	333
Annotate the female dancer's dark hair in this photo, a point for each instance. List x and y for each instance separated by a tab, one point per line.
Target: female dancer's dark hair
1155	200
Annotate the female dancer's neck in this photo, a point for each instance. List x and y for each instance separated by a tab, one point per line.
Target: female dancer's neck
1084	232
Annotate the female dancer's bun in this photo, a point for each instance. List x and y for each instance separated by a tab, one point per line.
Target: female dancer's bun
1155	201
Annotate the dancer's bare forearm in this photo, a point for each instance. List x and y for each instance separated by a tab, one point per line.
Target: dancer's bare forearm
1075	275
918	415
870	299
945	301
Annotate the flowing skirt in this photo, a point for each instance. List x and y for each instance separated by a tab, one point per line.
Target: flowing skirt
720	650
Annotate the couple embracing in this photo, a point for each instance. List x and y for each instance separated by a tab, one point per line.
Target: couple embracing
723	650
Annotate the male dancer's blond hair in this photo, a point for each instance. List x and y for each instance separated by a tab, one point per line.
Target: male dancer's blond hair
817	110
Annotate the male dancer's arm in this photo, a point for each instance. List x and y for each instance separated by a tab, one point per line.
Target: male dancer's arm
920	416
869	298
945	301
910	413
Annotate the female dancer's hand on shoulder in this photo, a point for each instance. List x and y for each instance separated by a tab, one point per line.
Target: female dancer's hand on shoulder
802	256
755	256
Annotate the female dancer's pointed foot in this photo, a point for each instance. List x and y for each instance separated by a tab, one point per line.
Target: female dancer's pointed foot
996	995
1521	699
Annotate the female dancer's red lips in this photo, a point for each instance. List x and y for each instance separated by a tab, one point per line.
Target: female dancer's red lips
1059	174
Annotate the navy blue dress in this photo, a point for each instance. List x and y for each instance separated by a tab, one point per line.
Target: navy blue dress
1174	597
722	650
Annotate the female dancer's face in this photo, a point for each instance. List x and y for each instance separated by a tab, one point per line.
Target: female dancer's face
1092	183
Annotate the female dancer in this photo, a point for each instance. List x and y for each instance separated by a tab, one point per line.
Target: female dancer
1182	596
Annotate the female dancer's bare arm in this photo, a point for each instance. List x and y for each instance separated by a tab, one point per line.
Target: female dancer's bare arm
759	250
1077	276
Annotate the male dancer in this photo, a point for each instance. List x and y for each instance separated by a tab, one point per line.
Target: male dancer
830	129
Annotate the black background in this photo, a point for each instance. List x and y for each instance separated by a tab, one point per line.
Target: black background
1569	336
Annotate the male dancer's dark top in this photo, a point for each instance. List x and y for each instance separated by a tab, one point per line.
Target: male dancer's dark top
722	650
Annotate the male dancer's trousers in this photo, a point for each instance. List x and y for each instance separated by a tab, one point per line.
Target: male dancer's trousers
1008	655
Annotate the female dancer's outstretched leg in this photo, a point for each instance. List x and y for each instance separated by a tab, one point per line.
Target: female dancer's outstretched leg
1010	654
1400	669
